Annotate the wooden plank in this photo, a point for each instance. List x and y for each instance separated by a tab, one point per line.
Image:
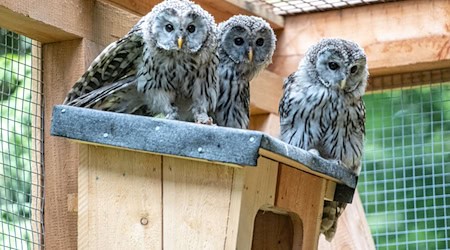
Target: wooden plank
352	233
296	165
302	194
196	204
63	64
221	10
56	20
258	193
47	21
265	93
268	123
37	177
404	36
123	200
407	80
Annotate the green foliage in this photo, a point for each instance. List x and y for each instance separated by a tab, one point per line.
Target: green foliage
404	185
15	143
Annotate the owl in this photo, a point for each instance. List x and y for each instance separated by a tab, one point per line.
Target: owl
322	110
246	46
169	54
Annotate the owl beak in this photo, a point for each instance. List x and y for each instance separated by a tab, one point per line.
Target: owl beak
342	84
250	54
180	42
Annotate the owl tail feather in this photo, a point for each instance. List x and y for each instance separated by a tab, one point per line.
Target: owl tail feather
332	210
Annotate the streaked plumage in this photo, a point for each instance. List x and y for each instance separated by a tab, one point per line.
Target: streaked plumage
322	110
246	47
170	54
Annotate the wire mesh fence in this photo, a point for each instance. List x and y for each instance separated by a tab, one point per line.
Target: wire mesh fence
405	179
287	7
21	170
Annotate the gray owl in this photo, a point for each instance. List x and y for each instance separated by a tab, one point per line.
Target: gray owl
169	54
246	46
322	110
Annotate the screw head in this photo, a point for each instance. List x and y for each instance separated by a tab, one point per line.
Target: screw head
144	221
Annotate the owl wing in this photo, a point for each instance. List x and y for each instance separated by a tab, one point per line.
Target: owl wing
285	102
115	62
97	96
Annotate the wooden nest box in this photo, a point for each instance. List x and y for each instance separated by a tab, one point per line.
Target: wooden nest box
147	183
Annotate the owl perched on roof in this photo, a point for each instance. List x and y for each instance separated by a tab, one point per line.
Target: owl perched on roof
169	54
322	110
246	46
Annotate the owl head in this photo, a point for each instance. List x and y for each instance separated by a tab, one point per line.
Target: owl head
247	40
338	64
180	25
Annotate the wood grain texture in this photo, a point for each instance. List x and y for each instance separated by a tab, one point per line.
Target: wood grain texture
123	200
47	21
63	63
258	193
196	204
221	10
37	137
398	37
301	194
268	123
57	20
353	233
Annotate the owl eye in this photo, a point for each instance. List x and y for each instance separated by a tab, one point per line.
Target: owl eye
260	42
333	66
353	69
169	28
191	28
239	41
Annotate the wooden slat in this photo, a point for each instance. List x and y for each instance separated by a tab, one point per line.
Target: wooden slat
47	21
37	177
265	93
196	203
224	9
120	198
221	10
352	233
258	193
302	194
63	64
55	20
398	37
407	80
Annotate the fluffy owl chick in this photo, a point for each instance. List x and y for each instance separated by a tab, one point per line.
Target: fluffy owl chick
171	52
322	110
246	46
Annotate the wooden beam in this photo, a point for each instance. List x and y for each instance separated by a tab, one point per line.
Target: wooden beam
265	93
47	21
398	37
221	10
63	64
224	9
55	20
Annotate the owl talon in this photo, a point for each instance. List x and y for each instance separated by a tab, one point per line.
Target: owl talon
207	121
